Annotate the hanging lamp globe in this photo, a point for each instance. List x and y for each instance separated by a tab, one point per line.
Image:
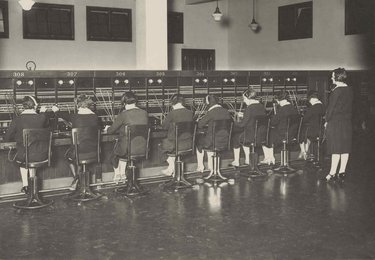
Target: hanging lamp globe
26	4
254	25
217	15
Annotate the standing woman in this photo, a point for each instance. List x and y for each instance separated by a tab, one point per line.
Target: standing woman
339	123
215	112
179	114
29	118
246	127
131	115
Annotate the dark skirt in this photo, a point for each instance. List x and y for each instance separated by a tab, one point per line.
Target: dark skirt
70	155
237	137
339	136
38	153
168	146
308	132
275	137
203	142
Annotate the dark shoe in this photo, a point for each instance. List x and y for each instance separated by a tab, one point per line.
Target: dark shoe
25	189
341	176
330	178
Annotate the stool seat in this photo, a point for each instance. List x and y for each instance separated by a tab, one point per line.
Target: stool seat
34	164
88	161
133	158
37	164
184	152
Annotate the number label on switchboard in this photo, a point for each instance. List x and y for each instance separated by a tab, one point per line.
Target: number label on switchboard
160	74
120	74
17	74
72	73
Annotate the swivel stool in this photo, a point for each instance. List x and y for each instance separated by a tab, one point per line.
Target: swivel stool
184	145
81	137
33	138
136	139
291	136
221	136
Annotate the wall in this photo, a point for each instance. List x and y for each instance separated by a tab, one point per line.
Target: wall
200	32
328	49
66	55
237	47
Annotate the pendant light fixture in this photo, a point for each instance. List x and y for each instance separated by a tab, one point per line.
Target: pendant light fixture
254	26
217	15
26	4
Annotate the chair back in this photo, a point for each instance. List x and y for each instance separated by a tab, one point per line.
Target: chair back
294	123
262	128
86	141
185	133
221	134
137	140
37	143
321	127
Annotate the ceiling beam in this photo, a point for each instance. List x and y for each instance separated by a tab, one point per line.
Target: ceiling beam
194	2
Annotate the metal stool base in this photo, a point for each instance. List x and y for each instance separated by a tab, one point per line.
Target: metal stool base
33	203
178	182
132	188
83	192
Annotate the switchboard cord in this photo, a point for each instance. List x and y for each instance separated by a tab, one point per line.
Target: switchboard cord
9	155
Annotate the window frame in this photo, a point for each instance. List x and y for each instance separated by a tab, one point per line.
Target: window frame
357	17
291	33
48	36
5	20
175	24
111	37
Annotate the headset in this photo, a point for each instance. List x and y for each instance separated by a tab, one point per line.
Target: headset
34	100
128	98
177	98
211	100
250	93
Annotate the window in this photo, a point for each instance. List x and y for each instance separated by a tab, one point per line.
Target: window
4	27
197	59
359	16
109	24
49	21
295	21
175	27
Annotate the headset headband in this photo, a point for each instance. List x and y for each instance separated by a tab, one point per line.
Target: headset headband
33	99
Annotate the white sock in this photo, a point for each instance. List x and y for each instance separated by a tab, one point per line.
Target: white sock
343	162
266	153
236	152
122	169
247	154
200	156
210	160
302	147
24	176
171	161
117	172
271	155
